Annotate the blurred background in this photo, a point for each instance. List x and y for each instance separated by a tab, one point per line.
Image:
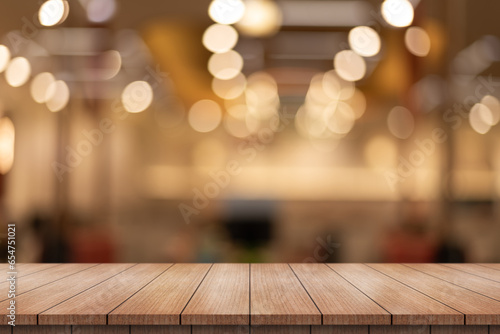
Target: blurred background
250	130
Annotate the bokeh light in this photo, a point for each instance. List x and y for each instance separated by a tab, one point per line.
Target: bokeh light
365	41
400	122
99	11
220	38
493	105
480	118
7	138
39	86
349	65
57	96
53	12
417	41
229	89
398	13
137	96
261	18
226	11
205	116
18	71
4	57
225	65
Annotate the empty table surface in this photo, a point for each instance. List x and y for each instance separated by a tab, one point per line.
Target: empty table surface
255	294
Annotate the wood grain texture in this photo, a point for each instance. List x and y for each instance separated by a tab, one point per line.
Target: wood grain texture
407	306
477	270
278	298
5	329
100	329
41	278
92	306
459	329
162	301
494	329
339	329
395	329
34	302
478	309
222	299
280	329
159	329
495	266
338	300
31	268
211	329
472	282
42	330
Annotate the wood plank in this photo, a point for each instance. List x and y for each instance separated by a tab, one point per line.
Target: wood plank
478	309
162	301
459	329
339	329
31	268
42	329
34	302
494	329
472	282
5	329
338	300
92	306
222	299
211	329
281	329
394	329
41	278
477	270
495	266
278	298
159	329
100	330
407	306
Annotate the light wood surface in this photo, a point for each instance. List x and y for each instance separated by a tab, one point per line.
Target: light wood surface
339	301
162	301
477	308
278	297
407	306
105	297
495	266
34	302
222	299
475	283
256	298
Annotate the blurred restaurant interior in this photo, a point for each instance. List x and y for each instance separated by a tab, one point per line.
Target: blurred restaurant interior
250	130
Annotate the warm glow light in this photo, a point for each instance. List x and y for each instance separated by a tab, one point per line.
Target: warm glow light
220	38
336	87
365	41
349	65
57	95
262	18
53	12
39	87
226	11
225	65
7	137
480	118
99	11
112	64
417	41
357	103
398	13
380	152
235	126
229	89
137	96
4	57
400	122
18	71
262	95
340	117
494	106
205	116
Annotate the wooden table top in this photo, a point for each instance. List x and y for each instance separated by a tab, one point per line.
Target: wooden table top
256	294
